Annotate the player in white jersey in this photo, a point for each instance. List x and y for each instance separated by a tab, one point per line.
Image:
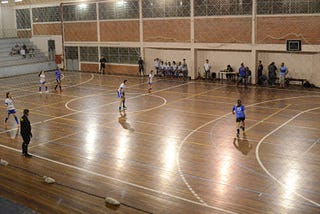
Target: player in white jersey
121	95
150	81
10	109
42	81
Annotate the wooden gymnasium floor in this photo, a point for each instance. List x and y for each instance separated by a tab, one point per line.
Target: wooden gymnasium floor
174	152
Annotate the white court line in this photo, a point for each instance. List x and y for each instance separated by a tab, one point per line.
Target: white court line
317	141
64	136
123	182
221	117
264	168
140	95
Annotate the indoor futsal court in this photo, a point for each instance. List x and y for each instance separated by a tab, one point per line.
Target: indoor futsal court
174	150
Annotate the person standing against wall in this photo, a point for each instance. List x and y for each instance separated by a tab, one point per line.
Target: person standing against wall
207	68
283	72
260	73
141	66
25	132
272	74
103	62
242	75
184	69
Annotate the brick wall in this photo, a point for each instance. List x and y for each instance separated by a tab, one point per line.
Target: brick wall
276	30
170	30
47	29
116	31
223	30
82	31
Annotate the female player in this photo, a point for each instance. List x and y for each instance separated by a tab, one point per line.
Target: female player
150	81
42	81
240	116
58	79
10	109
121	95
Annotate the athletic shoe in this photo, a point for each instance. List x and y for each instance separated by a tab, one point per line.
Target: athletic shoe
28	155
119	108
47	91
124	107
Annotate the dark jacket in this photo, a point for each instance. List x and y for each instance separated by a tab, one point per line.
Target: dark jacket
25	127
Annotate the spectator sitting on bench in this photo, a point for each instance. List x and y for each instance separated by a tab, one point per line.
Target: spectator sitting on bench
31	52
229	69
13	52
23	53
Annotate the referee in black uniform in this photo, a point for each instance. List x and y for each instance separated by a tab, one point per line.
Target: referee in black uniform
25	131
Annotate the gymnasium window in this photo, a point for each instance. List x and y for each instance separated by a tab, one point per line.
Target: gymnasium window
89	54
121	55
288	6
222	7
71	52
46	14
165	8
23	19
80	12
119	9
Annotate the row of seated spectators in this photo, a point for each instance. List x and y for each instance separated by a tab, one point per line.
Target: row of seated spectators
171	69
23	51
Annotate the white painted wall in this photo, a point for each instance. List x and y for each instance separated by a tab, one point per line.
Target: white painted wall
220	59
300	65
42	43
7	21
315	76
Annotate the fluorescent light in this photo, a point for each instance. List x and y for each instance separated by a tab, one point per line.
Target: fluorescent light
17	0
83	5
5	2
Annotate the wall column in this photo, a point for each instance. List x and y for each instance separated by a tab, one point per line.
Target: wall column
193	64
141	32
253	42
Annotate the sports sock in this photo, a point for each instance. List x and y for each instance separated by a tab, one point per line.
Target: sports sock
16	119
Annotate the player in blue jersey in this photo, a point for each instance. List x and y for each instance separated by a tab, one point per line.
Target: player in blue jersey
10	109
58	79
238	110
121	95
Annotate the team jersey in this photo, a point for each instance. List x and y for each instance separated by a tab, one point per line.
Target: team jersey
174	67
157	64
42	78
150	78
239	110
122	87
283	70
9	104
242	71
58	74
